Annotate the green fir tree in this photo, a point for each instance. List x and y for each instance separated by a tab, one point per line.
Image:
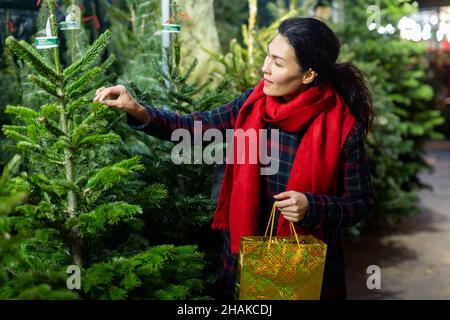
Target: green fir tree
8	202
184	214
77	212
405	118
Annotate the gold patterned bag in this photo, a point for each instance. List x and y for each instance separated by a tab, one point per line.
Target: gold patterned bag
280	268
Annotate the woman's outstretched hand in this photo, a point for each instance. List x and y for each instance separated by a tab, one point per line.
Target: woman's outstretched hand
293	205
120	98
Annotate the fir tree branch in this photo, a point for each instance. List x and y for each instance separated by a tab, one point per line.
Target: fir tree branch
188	73
94	223
30	147
46	85
79	102
115	12
65	185
22	113
108	79
32	133
13	134
183	97
73	87
99	111
51	126
107	176
115	122
108	62
19	129
9	198
10	169
89	57
206	103
61	144
41	181
81	92
33	58
98	139
48	110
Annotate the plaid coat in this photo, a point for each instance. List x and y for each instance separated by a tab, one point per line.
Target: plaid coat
331	212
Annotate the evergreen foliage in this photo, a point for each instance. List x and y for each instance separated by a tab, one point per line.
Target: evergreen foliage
78	210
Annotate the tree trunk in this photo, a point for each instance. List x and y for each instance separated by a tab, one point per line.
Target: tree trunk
198	32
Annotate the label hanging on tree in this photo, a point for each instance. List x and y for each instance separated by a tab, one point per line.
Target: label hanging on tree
171	28
73	19
48	41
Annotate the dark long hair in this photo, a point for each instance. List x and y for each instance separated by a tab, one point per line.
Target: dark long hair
317	47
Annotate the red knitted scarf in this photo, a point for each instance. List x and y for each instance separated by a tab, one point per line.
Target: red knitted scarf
315	164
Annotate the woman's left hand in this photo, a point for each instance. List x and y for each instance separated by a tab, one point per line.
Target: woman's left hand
293	205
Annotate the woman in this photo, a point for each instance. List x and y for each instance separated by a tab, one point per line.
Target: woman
323	110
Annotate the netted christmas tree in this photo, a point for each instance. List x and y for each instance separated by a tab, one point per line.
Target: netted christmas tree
78	211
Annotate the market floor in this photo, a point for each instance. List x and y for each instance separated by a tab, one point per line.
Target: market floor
414	257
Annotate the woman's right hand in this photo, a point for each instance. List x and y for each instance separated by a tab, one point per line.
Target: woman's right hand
120	98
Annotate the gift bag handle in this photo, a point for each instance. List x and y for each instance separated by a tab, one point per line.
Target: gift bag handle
271	223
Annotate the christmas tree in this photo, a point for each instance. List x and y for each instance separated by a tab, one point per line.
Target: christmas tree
404	118
9	78
77	213
186	215
8	202
37	283
136	43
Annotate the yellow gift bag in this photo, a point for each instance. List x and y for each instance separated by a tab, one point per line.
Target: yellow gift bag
280	268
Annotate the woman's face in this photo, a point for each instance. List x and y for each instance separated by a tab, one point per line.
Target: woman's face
283	76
